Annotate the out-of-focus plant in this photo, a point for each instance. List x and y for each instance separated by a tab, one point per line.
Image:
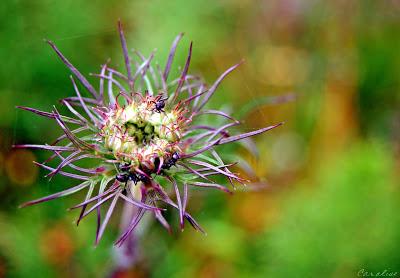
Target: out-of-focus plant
346	224
143	135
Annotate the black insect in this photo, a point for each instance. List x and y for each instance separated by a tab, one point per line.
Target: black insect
159	104
122	177
172	161
133	177
125	175
124	167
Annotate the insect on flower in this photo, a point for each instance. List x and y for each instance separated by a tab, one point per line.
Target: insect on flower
142	138
159	104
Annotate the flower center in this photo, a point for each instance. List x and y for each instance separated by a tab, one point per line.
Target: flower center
141	135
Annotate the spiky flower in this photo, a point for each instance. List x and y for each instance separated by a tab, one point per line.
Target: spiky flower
142	139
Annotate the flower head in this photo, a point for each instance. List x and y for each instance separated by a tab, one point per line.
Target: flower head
139	130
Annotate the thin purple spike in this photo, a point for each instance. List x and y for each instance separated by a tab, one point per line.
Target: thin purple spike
101	86
217	112
211	173
189	87
143	67
118	74
101	113
158	215
93	172
206	127
187	77
220	130
49	115
194	224
75	101
100	202
110	210
219	159
81	215
152	72
179	201
219	166
126	55
189	99
63	163
75	140
111	189
81	78
111	96
203	87
98	210
248	134
54	155
132	226
84	170
163	81
214	87
88	195
185	196
167	200
56	195
60	138
46	147
194	171
73	111
163	194
94	120
184	72
195	139
205	164
69	134
139	204
133	222
141	83
74	176
203	149
145	78
102	76
126	97
38	112
171	56
210	185
98	220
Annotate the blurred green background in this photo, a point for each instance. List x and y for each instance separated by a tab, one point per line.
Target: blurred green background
331	204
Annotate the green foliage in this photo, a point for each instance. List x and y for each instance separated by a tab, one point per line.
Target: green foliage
346	221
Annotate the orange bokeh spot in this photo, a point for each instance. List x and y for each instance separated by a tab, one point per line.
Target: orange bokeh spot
19	167
57	246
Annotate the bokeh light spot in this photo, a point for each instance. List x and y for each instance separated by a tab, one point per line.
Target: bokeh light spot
19	167
57	245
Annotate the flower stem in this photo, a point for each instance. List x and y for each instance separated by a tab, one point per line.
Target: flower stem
125	256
